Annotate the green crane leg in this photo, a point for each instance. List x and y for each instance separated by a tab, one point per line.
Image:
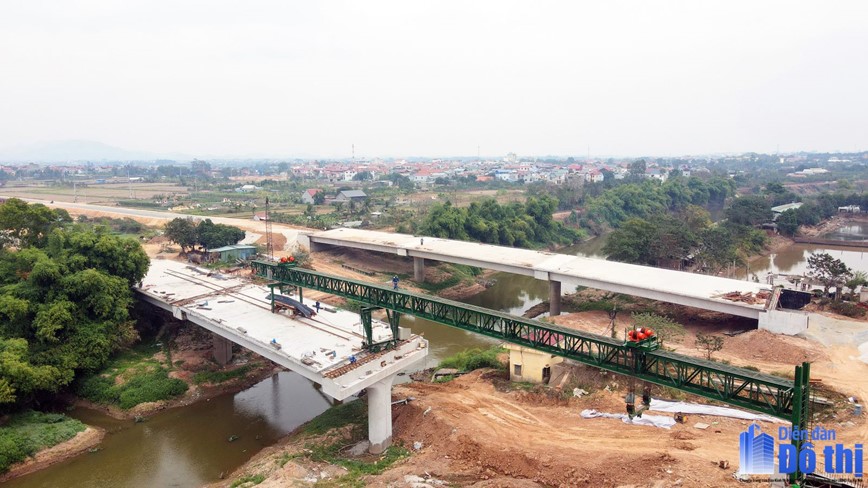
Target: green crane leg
801	402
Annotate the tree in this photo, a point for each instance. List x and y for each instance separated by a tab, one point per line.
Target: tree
709	343
631	243
665	328
319	198
749	211
829	271
210	235
775	187
363	176
182	231
401	181
859	278
788	222
64	309
28	225
638	168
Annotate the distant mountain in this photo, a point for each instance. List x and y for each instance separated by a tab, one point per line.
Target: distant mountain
70	151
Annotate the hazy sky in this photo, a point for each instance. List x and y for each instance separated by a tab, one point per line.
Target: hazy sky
216	77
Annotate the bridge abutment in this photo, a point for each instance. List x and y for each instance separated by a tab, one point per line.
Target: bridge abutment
419	269
380	415
554	298
222	349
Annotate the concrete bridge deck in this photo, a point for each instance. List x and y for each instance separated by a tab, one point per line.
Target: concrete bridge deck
318	348
679	287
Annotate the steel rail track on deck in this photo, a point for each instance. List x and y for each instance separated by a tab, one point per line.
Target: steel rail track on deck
717	381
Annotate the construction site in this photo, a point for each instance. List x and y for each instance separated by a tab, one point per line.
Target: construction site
580	425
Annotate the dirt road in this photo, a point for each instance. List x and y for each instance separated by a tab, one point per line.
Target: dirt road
158	218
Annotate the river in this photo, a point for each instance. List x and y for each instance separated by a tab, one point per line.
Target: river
189	446
794	258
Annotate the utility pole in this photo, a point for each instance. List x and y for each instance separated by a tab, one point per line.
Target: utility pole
74	191
130	182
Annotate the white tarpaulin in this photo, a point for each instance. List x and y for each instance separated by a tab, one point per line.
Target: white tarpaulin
649	420
696	408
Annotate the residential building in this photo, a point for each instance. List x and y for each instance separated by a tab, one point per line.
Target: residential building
309	196
351	195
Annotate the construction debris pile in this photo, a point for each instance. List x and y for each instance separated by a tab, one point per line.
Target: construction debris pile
747	297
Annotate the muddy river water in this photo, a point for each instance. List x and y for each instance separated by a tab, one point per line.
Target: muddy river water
190	446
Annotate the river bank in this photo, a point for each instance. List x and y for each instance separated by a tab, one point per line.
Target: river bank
83	441
191	355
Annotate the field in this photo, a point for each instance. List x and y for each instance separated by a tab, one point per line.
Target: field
106	193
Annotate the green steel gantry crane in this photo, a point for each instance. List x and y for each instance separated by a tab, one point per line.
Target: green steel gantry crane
780	397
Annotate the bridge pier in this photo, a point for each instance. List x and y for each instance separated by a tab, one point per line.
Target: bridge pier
222	349
554	298
380	415
419	269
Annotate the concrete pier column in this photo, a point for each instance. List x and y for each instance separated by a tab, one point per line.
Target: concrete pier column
554	298
380	415
419	269
222	349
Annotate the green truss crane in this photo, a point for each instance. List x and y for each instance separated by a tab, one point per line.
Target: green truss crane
780	397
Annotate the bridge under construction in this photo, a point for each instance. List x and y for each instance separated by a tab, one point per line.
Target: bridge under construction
363	353
780	397
754	300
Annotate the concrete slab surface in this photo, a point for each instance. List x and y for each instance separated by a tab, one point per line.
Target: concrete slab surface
240	310
685	288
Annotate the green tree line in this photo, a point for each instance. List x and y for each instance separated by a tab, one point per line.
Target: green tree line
650	197
528	224
206	234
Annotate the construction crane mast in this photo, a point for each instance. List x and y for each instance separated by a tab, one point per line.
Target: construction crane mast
269	243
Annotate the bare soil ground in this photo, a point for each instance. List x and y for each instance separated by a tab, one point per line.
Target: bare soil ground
830	225
758	348
479	431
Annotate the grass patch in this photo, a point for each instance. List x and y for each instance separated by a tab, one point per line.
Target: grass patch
356	468
221	376
457	274
150	386
354	412
751	368
522	385
28	432
475	359
144	380
253	479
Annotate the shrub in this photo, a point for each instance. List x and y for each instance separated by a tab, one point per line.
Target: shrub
474	359
144	387
28	432
847	309
98	389
220	376
150	387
